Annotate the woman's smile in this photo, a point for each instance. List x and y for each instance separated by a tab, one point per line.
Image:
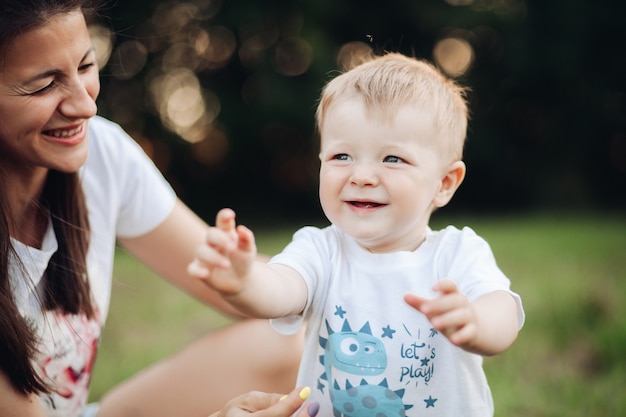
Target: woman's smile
69	136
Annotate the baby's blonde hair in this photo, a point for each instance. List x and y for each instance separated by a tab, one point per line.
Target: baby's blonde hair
387	82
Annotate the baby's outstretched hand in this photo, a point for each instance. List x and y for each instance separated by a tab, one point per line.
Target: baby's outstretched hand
451	313
224	260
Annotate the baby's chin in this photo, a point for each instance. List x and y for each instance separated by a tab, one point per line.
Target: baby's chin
385	242
375	244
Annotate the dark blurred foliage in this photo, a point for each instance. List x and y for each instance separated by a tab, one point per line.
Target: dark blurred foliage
548	128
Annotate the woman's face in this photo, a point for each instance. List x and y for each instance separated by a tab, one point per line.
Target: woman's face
48	87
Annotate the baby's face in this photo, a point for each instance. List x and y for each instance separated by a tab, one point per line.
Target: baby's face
378	179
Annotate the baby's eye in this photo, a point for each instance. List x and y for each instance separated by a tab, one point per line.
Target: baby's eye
341	157
392	159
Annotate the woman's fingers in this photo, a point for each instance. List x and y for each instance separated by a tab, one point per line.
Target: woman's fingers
309	410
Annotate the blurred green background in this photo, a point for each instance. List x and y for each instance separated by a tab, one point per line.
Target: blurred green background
221	94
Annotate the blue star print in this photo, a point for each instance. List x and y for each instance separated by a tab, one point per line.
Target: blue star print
339	311
388	332
430	401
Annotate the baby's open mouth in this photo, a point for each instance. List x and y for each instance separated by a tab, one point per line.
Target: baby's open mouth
365	204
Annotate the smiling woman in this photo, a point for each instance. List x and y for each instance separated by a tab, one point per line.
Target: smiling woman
73	185
49	95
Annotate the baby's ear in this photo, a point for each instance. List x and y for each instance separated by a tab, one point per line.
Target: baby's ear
450	182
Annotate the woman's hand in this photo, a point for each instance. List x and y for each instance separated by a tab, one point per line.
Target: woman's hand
260	404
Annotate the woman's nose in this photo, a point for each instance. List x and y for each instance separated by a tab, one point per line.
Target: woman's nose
80	100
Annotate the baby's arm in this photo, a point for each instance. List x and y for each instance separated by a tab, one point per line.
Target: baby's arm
487	326
227	263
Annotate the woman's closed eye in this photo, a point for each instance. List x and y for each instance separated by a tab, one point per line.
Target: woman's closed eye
43	90
83	68
86	66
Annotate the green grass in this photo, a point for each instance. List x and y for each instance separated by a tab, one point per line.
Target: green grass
569	359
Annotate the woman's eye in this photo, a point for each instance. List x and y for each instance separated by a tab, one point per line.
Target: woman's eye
44	89
392	159
85	67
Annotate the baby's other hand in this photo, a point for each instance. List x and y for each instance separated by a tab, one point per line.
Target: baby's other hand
451	313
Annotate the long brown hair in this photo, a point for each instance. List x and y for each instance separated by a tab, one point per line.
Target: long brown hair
65	281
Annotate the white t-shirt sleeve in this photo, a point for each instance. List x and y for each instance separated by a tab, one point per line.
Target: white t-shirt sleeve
141	196
468	259
308	253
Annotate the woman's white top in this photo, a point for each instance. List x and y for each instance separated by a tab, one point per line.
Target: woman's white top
126	197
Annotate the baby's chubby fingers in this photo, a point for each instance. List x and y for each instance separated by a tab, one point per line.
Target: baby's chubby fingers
464	334
210	254
197	269
432	309
445	286
449	299
220	240
415	301
448	313
453	323
215	252
225	220
245	239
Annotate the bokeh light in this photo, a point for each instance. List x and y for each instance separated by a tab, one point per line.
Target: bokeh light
128	59
102	40
352	54
180	55
169	19
183	106
220	48
212	150
293	56
207	9
255	41
453	55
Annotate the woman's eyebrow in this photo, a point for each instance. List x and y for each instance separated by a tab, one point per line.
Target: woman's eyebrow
41	76
52	72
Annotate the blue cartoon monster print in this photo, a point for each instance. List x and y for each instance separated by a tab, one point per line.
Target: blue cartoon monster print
358	353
